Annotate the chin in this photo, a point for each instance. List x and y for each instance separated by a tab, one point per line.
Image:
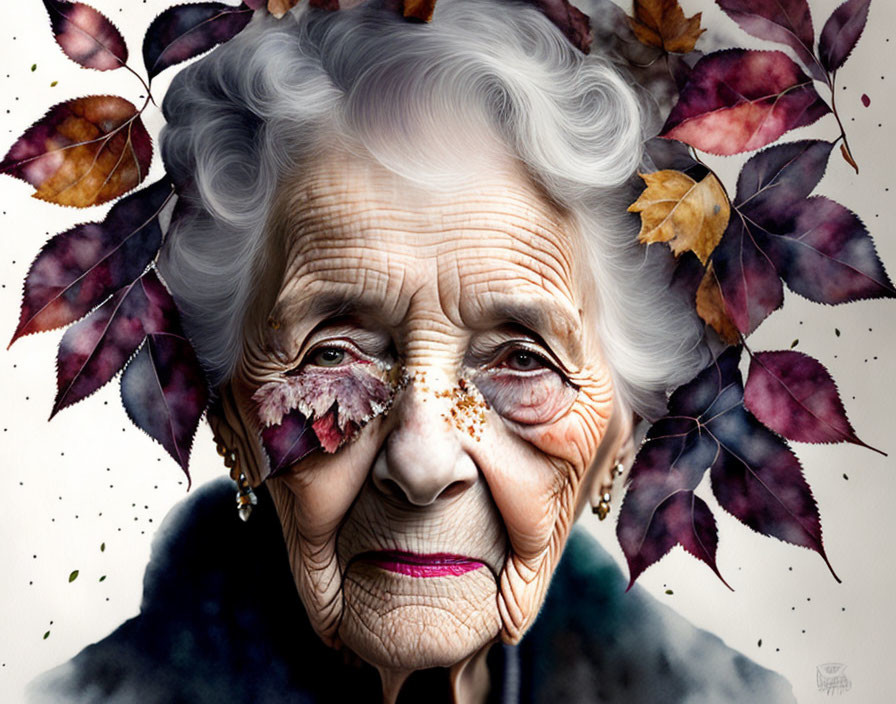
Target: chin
401	622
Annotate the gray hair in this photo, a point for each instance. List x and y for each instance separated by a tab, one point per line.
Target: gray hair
250	113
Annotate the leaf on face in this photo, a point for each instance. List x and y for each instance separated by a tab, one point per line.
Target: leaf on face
711	308
288	442
662	23
784	21
80	268
183	32
794	395
83	152
164	392
841	33
95	349
86	35
575	24
739	100
690	216
754	475
278	8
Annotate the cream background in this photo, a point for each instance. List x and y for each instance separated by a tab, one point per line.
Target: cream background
90	477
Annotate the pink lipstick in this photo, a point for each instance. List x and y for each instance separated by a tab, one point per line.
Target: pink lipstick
416	565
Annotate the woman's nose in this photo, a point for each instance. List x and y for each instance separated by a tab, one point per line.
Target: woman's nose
423	458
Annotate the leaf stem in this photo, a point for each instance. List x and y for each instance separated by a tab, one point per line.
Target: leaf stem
144	84
833	84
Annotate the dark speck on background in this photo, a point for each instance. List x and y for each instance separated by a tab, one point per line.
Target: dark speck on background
866	101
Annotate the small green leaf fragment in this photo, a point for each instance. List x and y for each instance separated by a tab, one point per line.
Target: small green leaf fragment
102	547
669	591
73	576
794	343
33	68
103	578
845	476
46	635
54	84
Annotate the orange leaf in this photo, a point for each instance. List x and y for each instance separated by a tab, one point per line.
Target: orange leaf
661	23
83	152
675	208
711	308
419	9
278	8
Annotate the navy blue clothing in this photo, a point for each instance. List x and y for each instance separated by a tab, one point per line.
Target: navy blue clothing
221	621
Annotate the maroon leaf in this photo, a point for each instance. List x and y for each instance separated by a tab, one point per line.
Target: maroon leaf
164	392
185	31
256	4
842	32
95	349
777	177
784	21
823	252
78	269
794	395
574	23
740	100
759	481
83	152
748	279
86	35
288	442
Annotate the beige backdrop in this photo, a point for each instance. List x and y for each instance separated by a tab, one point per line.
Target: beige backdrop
90	478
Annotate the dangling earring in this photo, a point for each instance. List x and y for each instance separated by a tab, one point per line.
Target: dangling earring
602	508
245	497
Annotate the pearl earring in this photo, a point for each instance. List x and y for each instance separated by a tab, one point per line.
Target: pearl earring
602	508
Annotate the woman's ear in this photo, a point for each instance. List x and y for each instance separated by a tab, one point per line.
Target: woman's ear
237	439
615	455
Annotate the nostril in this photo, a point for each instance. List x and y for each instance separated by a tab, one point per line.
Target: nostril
390	487
453	489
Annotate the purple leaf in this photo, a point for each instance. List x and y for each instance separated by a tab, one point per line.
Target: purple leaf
794	395
83	152
842	32
740	100
749	281
86	35
255	4
95	349
574	24
164	392
80	268
778	177
823	252
288	442
759	481
784	21
185	31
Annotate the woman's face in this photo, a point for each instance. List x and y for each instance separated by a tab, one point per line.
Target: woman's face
425	530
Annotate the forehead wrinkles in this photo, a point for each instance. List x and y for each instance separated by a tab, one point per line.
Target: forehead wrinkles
365	229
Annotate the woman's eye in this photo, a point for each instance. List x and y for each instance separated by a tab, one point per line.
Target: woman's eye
327	357
524	361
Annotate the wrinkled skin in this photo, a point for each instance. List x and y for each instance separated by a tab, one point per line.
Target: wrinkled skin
485	446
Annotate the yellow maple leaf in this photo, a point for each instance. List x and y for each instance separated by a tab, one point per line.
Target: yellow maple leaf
661	23
711	307
675	208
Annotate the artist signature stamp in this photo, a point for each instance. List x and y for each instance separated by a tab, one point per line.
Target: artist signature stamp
831	678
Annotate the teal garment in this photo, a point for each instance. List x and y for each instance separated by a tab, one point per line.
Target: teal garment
221	622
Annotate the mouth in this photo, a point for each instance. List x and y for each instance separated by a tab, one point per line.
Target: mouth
418	565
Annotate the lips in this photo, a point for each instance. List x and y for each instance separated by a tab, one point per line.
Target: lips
417	565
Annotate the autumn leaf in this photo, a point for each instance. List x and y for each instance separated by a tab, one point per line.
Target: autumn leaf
419	9
81	267
86	36
841	33
784	21
711	308
794	395
689	215
83	152
662	23
288	441
740	100
754	475
278	8
183	32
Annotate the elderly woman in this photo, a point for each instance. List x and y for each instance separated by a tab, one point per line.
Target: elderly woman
415	237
